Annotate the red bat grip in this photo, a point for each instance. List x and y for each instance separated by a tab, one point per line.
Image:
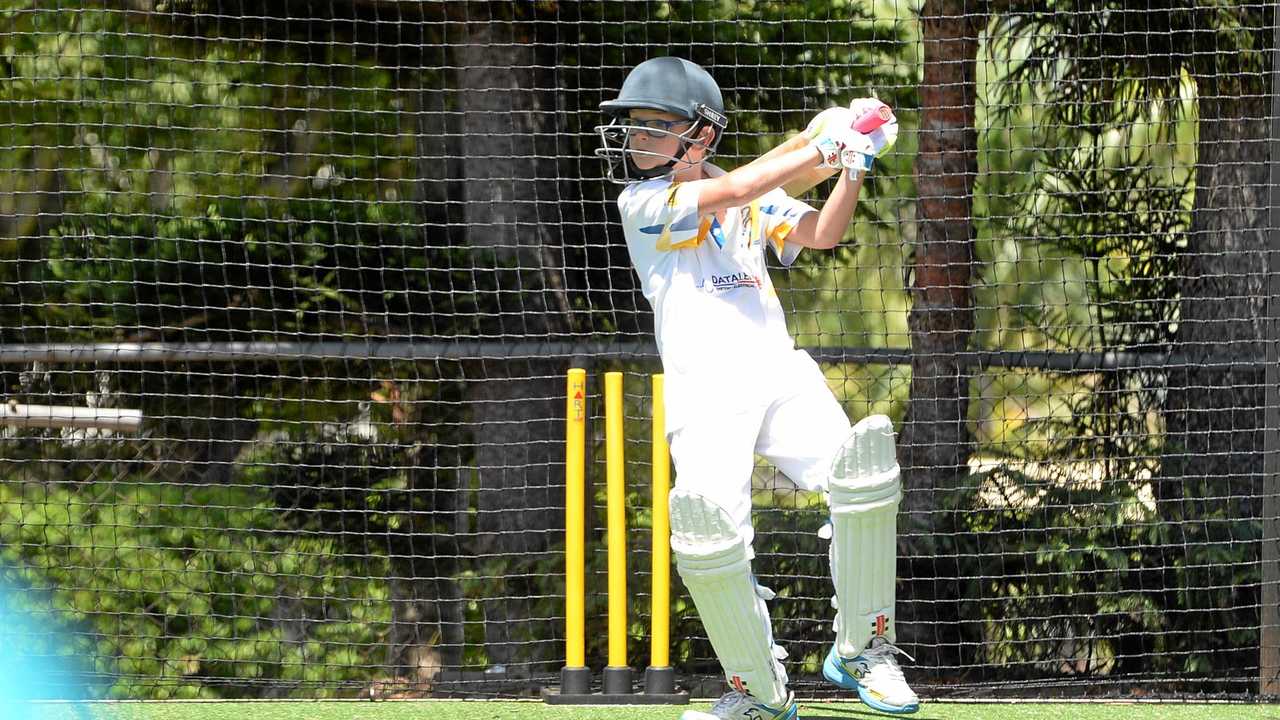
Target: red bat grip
873	119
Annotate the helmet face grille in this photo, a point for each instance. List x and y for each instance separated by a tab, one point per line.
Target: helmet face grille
615	140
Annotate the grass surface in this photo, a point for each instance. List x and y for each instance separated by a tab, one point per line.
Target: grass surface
481	710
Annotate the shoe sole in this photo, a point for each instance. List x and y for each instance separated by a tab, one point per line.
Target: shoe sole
792	713
835	673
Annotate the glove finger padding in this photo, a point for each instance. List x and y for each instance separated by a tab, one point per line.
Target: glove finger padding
883	137
827	133
827	119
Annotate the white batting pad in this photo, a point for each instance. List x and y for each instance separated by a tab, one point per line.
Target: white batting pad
714	561
865	488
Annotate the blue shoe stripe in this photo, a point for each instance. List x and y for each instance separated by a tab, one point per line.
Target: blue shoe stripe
833	670
790	713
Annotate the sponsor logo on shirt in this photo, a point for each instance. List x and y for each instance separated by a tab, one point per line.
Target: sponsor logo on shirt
732	281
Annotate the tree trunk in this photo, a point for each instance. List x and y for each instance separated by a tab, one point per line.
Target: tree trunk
486	185
935	443
1211	481
511	223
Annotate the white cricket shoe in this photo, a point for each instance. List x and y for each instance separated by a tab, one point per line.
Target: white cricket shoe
739	706
875	675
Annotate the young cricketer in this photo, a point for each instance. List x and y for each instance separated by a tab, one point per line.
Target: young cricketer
737	386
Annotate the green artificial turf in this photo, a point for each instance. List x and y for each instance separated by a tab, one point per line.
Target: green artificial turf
487	710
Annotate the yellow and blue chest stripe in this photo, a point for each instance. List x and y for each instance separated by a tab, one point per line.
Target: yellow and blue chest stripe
707	227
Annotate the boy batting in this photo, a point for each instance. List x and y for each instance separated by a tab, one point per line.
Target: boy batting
737	386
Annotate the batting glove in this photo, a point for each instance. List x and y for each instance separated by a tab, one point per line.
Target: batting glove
857	151
832	134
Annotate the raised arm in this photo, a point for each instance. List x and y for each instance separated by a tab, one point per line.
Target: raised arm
741	186
815	151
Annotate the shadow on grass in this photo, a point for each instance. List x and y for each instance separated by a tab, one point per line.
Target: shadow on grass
820	711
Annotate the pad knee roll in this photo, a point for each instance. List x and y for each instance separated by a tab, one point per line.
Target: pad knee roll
714	562
865	490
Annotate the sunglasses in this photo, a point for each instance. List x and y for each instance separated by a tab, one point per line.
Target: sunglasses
654	128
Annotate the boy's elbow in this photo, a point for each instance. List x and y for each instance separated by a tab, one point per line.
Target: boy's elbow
827	240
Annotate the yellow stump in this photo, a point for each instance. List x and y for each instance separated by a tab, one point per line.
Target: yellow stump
575	518
661	570
616	682
616	518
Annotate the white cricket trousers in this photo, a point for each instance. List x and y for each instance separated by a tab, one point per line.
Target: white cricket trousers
798	433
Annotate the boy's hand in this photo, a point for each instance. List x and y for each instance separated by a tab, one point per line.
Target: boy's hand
823	121
825	132
832	134
857	151
883	137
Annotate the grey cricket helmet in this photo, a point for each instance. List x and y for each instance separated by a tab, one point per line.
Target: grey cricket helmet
667	84
673	85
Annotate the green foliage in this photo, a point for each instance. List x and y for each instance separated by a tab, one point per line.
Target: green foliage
185	592
1094	138
214	187
1067	595
1087	577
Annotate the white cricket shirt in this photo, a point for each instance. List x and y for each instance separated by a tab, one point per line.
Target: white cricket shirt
719	325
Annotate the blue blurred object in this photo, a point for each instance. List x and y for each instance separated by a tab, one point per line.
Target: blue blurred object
37	658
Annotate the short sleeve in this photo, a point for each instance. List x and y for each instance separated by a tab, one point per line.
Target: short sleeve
661	215
779	215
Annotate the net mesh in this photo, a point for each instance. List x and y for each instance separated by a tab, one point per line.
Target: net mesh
340	254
